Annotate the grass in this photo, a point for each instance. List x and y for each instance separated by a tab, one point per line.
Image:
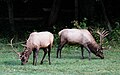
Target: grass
70	63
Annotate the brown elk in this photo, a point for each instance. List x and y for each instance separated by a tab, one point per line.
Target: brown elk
36	41
84	38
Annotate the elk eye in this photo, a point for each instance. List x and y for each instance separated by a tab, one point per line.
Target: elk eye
23	59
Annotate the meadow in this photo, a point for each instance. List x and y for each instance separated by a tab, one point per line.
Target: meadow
70	63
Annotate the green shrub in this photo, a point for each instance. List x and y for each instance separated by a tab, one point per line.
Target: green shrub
81	25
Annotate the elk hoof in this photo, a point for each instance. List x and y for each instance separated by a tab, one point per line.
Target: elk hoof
41	62
82	58
49	63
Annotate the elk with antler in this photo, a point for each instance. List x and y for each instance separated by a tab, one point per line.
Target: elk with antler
36	41
84	38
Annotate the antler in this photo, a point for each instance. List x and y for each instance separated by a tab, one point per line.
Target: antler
103	34
13	47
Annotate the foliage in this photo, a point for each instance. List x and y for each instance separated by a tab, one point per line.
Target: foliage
4	40
115	36
81	25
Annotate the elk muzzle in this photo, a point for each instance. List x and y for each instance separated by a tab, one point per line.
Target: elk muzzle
100	54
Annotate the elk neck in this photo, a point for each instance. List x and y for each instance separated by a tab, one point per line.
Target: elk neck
93	47
28	52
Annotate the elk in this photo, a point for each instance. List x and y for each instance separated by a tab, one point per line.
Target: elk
83	38
35	42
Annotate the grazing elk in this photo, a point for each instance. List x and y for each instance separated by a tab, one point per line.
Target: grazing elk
84	38
36	41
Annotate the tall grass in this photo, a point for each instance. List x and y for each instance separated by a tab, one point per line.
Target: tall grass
70	63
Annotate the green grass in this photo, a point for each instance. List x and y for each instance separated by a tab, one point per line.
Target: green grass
70	63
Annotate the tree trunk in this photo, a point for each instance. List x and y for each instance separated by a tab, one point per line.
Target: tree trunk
13	33
77	11
10	13
105	16
54	12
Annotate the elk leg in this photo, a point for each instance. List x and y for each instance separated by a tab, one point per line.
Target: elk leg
49	50
35	56
60	46
45	52
82	51
89	52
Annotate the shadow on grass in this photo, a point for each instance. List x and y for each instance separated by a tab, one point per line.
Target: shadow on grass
11	63
14	63
76	57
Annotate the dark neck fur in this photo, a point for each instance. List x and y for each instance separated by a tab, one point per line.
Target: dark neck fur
28	52
93	47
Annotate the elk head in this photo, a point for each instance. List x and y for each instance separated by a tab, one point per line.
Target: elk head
23	56
103	34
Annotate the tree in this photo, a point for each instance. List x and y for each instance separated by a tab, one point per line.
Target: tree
10	13
105	16
54	12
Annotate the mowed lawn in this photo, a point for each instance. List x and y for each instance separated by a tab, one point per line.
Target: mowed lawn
70	63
